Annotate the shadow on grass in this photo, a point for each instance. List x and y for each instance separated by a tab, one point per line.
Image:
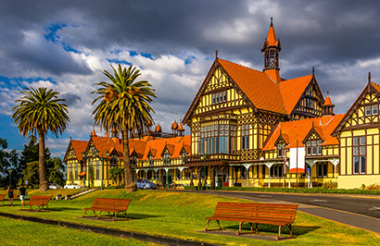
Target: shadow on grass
135	216
59	209
297	230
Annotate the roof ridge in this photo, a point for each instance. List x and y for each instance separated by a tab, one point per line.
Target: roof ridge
295	78
240	65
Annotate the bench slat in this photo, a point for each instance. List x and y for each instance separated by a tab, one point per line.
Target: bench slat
259	213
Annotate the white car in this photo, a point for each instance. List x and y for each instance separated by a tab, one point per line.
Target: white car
53	186
73	186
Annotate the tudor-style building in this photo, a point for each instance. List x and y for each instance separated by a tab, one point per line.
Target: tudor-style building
359	138
236	109
157	156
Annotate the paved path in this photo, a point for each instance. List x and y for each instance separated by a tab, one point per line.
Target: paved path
354	210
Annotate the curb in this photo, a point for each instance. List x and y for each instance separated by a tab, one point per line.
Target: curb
108	231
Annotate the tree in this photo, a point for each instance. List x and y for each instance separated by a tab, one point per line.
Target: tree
8	160
116	174
55	169
125	105
39	111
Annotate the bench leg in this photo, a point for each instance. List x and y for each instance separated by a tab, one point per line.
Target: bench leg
252	228
239	231
290	228
279	233
217	221
97	217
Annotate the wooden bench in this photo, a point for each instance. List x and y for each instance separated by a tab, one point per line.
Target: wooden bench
38	201
258	213
110	205
2	196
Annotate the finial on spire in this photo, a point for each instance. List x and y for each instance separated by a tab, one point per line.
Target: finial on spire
313	71
327	93
216	54
271	21
369	77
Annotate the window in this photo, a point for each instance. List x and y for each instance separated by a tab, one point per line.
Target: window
280	150
367	110
375	109
309	103
244	130
322	170
217	139
113	161
359	155
276	171
151	161
166	158
134	160
243	173
219	97
97	170
187	174
150	174
313	147
178	174
183	157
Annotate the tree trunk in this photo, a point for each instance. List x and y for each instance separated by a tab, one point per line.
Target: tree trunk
130	186
41	161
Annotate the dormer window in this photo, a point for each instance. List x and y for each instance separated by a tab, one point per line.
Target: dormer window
113	161
313	147
166	158
280	150
134	160
151	161
183	157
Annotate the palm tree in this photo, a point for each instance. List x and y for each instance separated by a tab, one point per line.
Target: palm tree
125	104
38	111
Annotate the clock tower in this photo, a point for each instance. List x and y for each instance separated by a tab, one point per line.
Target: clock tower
271	49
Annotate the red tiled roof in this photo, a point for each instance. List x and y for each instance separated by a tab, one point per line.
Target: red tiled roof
174	146
293	89
262	91
79	147
298	130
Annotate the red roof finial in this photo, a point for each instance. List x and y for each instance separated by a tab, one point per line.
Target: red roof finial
271	21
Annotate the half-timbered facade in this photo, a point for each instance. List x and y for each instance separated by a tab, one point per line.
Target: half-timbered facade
236	109
359	137
158	156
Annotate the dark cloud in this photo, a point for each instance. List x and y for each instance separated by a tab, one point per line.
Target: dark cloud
71	99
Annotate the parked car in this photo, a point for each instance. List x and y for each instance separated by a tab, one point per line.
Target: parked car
144	184
73	186
53	186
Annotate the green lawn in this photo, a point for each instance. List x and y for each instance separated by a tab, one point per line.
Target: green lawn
18	232
181	215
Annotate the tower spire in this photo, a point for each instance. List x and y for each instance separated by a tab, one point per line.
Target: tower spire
271	49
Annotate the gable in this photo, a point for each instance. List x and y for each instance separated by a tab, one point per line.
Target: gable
364	112
302	96
218	92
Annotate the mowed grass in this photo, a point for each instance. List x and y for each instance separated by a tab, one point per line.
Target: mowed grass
181	215
19	232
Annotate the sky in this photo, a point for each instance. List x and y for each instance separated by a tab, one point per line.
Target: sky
66	45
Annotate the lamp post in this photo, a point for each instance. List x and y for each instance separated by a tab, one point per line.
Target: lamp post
10	177
204	170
